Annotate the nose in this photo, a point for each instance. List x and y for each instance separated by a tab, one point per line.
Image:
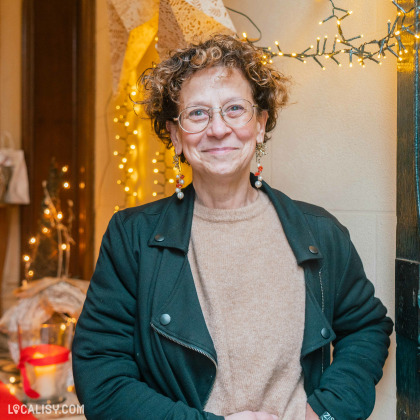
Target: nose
217	126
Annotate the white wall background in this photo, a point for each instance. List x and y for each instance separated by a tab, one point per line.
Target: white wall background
335	146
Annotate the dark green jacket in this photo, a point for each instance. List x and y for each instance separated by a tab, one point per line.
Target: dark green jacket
142	349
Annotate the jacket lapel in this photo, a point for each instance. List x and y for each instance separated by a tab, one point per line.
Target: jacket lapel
174	227
177	296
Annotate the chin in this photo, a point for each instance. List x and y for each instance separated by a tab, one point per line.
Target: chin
225	170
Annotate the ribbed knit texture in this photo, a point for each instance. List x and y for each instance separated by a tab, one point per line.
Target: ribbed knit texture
252	294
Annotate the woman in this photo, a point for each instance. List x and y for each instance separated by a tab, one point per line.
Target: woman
222	301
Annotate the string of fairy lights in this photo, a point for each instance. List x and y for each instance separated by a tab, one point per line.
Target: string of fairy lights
126	153
373	50
129	136
52	223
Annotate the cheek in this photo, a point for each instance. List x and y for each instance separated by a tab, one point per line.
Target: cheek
190	142
248	135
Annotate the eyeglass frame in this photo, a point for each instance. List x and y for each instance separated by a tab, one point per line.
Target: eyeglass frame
220	108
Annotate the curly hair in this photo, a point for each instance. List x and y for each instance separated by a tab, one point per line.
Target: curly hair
161	85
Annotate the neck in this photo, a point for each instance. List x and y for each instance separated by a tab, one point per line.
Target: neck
225	192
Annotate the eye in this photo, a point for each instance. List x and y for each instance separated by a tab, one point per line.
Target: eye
234	110
197	114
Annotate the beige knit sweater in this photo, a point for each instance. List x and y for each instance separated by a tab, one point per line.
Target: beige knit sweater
252	294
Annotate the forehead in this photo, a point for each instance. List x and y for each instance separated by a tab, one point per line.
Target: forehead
215	84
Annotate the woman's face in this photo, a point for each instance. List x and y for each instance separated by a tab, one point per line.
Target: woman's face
219	150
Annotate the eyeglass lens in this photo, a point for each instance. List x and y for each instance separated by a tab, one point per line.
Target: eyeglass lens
235	113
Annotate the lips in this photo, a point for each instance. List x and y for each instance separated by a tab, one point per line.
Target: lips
220	150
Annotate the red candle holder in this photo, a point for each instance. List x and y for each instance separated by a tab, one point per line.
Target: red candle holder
44	363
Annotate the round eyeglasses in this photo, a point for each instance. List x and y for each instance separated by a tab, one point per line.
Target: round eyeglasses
235	113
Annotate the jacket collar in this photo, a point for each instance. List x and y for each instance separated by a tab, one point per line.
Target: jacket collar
174	226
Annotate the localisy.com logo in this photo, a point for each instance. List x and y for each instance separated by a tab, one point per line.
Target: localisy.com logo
45	409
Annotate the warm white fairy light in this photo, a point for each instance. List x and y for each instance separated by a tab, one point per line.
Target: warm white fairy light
55	219
371	50
127	152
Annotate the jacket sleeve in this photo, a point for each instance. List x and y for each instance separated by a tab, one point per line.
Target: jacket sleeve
107	379
347	386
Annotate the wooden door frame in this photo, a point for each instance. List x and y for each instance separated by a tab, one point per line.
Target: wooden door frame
407	263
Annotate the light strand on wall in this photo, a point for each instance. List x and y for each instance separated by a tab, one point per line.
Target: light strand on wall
373	50
128	141
161	168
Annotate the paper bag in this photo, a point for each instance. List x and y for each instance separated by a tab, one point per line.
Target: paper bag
13	169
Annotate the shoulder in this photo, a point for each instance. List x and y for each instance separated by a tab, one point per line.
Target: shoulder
145	211
317	217
311	211
133	221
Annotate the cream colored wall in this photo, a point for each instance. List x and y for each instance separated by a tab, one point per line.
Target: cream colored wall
334	146
10	120
107	192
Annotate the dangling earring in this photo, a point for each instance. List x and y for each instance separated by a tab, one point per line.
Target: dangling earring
179	177
260	151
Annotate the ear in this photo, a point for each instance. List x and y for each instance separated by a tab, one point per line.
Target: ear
261	123
173	130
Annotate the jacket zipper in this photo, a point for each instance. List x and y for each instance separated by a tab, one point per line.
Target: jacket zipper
191	348
322	309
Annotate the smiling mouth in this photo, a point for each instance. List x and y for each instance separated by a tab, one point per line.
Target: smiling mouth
220	150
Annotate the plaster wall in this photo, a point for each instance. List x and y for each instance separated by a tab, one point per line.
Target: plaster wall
334	146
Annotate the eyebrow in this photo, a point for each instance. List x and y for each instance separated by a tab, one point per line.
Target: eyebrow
207	106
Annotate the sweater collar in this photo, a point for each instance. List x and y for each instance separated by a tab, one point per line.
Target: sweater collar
173	229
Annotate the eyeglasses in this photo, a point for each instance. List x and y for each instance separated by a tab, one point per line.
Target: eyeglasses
235	113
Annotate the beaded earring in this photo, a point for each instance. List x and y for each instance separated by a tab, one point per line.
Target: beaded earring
179	177
260	151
